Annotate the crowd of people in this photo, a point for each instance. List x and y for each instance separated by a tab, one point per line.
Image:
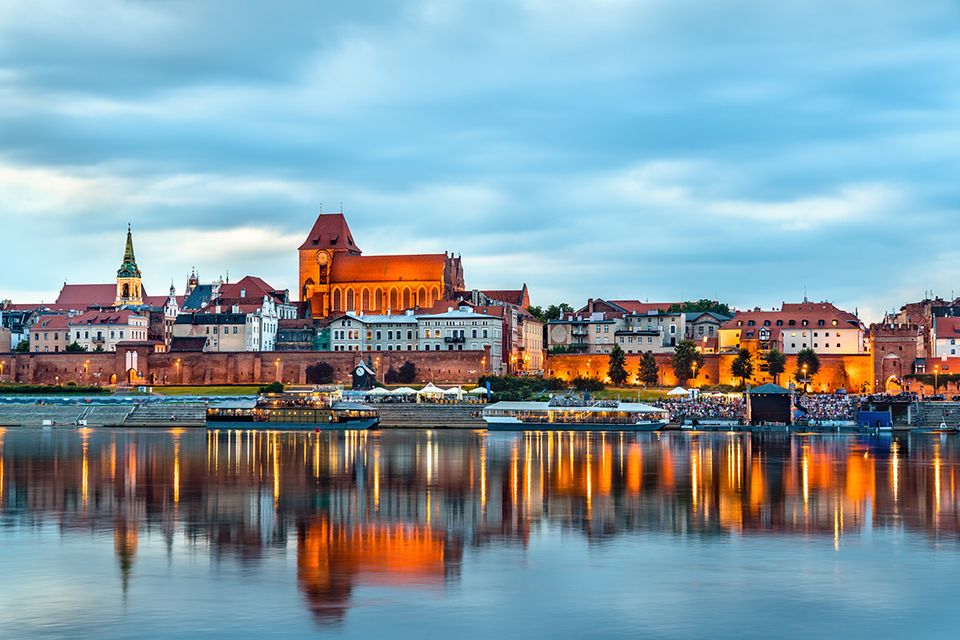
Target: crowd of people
706	408
828	407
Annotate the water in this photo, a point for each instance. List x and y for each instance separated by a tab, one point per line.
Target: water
417	534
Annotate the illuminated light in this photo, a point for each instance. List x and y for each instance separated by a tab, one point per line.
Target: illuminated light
376	476
895	470
805	470
176	470
936	475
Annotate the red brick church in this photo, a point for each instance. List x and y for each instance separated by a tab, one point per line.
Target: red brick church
336	277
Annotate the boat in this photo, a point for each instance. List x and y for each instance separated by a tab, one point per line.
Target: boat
574	414
315	408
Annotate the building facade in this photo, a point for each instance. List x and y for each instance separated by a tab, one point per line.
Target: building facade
807	325
103	330
335	276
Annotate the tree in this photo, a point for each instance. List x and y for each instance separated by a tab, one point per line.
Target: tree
742	366
809	358
390	377
407	373
776	363
703	305
319	373
648	373
617	371
553	312
74	346
273	387
23	347
685	355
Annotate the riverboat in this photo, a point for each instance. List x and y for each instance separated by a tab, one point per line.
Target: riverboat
564	413
315	408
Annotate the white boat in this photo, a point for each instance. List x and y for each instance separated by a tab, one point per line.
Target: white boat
565	414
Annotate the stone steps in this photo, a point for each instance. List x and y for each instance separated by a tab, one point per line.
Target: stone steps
430	416
163	414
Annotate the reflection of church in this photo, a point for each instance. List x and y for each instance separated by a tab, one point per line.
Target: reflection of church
335	277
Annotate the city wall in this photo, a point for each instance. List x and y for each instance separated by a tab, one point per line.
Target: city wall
146	368
853	372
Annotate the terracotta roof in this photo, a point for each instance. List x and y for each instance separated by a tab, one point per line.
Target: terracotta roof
52	322
87	294
947	327
510	296
121	316
253	286
812	312
330	231
160	301
184	345
350	268
441	306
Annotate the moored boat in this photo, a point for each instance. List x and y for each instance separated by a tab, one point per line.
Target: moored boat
574	414
316	408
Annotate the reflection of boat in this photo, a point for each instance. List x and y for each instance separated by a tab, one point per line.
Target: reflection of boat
317	408
568	414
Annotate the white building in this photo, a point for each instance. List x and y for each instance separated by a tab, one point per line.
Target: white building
361	332
946	337
655	331
463	329
102	330
806	325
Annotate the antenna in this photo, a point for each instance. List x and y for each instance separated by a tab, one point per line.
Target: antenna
321	208
341	206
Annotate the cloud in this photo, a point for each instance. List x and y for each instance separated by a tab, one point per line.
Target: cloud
650	149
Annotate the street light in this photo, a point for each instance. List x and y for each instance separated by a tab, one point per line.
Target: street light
806	382
694	375
936	379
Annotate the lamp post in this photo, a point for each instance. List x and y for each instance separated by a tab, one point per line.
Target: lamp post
694	375
276	364
177	365
805	381
936	379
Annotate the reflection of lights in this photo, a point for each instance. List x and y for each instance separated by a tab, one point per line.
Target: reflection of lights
936	475
805	467
895	470
176	469
376	476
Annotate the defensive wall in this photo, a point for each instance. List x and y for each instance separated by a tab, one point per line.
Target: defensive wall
138	365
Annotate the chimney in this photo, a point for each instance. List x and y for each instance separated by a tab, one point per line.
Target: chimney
590	305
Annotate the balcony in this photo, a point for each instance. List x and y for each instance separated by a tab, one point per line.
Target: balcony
455	339
579	332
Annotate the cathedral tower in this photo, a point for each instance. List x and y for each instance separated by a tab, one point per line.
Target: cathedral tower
129	287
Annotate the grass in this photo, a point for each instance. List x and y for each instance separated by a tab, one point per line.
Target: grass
630	393
223	390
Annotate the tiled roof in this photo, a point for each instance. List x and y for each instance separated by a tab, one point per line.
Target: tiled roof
812	312
424	267
510	296
330	231
52	322
84	295
120	316
947	327
185	345
636	306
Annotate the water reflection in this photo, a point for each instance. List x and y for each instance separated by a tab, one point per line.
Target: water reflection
398	509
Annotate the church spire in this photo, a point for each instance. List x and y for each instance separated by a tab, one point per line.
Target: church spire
129	268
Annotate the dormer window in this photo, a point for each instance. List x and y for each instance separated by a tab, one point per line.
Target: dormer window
804	323
820	323
766	323
750	323
793	323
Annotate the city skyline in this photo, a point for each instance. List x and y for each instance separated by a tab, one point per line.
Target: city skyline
651	150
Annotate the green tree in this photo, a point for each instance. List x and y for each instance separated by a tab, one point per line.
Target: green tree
649	373
703	305
407	372
74	346
807	357
742	366
273	387
776	363
685	355
553	312
23	347
617	370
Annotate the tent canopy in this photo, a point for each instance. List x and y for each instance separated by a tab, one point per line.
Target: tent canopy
478	391
430	390
454	391
678	391
403	391
378	391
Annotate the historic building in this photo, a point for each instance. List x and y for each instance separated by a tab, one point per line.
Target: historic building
803	325
336	277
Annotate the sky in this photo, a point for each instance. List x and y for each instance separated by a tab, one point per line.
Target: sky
748	151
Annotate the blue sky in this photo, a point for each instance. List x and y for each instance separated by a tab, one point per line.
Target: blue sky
654	149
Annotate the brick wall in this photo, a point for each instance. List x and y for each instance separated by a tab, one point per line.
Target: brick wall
234	368
851	372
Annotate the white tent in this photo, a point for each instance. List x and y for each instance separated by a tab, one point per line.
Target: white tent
478	391
430	390
404	391
678	392
454	391
378	391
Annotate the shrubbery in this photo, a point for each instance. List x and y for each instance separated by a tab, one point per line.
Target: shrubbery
514	388
41	389
273	387
581	383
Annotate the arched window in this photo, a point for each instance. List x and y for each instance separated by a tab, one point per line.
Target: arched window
378	299
350	301
394	303
126	290
406	298
365	300
337	300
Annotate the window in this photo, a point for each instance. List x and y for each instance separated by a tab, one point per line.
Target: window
766	323
234	331
750	323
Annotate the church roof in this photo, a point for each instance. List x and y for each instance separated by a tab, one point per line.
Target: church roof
330	231
518	297
85	295
423	267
